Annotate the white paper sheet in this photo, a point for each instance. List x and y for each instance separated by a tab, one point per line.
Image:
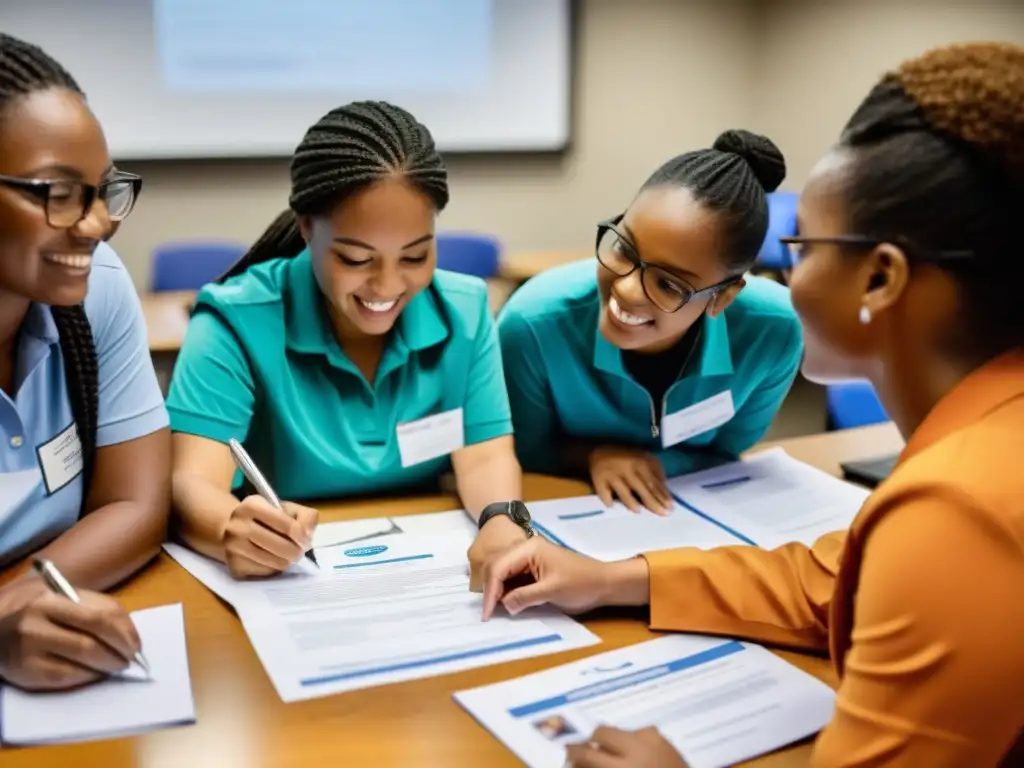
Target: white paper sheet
455	523
614	533
383	610
717	701
15	487
772	499
118	706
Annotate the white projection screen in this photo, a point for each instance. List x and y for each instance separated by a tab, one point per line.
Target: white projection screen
176	79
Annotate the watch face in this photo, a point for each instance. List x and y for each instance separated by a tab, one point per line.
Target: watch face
520	513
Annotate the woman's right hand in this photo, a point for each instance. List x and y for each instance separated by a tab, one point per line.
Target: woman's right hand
260	540
48	642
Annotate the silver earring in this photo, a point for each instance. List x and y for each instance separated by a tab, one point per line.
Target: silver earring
865	315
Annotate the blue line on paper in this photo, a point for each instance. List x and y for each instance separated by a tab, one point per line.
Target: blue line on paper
625	681
723	526
381	562
476	652
580	515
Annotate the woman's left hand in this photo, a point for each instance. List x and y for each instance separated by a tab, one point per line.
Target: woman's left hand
612	748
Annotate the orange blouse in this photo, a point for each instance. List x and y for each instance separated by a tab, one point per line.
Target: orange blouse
920	603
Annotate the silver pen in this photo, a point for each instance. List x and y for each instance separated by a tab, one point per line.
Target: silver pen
55	580
254	476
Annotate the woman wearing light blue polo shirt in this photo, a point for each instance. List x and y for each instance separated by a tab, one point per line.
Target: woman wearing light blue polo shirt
84	445
341	359
662	357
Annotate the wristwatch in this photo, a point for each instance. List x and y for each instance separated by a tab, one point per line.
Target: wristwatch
516	511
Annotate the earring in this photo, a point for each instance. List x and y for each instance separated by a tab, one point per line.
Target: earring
865	315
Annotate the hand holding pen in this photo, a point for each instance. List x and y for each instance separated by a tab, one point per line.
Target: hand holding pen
53	637
264	535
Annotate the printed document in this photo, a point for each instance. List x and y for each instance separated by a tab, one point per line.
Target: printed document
771	499
120	705
612	533
384	610
717	701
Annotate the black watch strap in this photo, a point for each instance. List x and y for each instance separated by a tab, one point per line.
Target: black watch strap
516	511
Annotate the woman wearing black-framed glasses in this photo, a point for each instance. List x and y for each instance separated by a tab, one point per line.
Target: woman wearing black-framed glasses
664	357
84	444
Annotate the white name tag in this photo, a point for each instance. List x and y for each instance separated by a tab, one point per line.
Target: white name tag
430	438
697	418
60	459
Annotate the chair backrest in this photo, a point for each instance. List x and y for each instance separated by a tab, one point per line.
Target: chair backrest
853	404
189	265
781	223
469	253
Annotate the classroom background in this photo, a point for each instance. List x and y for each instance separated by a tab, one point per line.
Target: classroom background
643	80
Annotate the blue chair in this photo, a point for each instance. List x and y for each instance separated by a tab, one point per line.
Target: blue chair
468	253
781	223
189	265
853	404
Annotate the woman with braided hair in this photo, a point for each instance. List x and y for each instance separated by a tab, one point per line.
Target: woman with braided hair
341	358
907	271
663	357
84	444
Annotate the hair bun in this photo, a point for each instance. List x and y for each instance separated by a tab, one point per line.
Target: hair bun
975	92
764	158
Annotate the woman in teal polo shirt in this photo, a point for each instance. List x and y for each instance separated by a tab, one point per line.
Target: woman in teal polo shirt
340	357
84	445
663	357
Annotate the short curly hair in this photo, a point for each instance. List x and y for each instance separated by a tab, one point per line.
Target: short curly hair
938	163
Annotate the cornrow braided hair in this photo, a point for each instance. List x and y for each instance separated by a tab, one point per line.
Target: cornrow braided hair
937	161
26	69
348	149
732	179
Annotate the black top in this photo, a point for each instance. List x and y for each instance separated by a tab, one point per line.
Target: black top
659	371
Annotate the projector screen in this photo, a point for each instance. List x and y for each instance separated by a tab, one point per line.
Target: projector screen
246	78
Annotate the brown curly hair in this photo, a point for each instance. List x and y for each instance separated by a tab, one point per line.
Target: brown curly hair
975	93
937	165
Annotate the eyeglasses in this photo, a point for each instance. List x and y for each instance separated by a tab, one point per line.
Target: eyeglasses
666	290
68	202
794	247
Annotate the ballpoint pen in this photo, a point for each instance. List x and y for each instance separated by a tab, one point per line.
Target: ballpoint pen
55	580
254	476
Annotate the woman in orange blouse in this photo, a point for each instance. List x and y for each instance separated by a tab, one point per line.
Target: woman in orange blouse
910	272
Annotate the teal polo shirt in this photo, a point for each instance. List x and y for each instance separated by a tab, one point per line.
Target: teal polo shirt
260	364
566	381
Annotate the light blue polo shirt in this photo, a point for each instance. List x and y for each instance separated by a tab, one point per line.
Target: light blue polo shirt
260	364
130	403
566	381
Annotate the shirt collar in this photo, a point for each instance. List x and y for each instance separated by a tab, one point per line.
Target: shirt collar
39	324
981	392
715	352
422	323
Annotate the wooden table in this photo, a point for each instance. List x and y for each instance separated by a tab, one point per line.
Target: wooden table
166	315
242	722
520	267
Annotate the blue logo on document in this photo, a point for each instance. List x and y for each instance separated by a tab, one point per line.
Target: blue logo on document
366	551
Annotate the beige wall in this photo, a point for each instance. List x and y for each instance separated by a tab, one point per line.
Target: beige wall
654	78
816	59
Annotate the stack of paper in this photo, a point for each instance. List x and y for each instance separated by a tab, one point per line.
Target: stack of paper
717	701
767	500
120	705
383	610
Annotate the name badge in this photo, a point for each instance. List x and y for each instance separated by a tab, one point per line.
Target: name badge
60	459
695	419
430	438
